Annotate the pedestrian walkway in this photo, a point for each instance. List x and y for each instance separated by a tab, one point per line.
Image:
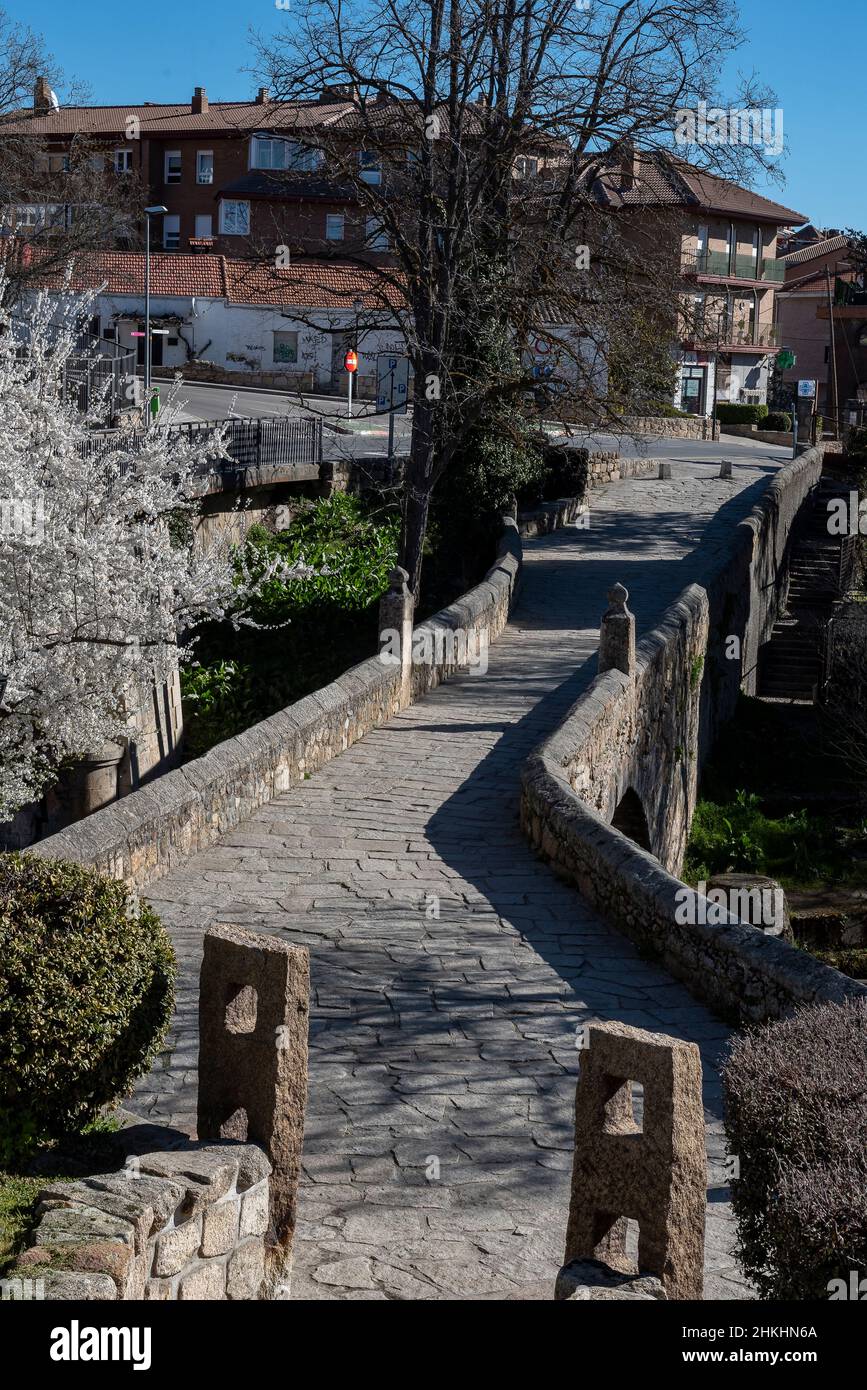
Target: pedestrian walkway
450	969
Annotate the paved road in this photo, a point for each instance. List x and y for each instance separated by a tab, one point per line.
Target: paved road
450	968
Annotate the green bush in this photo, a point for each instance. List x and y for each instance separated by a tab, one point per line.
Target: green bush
86	995
729	413
738	836
566	472
315	626
777	420
856	444
796	1119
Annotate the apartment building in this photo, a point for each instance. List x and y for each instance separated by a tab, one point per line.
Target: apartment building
229	174
825	293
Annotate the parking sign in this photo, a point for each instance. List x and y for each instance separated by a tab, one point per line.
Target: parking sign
392	381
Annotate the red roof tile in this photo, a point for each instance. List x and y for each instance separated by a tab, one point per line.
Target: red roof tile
309	284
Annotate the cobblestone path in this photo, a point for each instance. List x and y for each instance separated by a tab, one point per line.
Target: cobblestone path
450	968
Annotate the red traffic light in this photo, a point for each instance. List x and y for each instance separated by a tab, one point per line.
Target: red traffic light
350	361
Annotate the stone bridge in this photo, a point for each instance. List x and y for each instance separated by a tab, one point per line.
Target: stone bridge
451	970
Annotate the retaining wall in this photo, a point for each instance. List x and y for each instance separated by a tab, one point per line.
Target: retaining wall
649	734
183	1224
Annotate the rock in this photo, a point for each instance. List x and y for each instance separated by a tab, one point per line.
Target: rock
757	901
591	1281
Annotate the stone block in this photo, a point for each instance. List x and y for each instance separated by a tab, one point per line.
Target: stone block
655	1174
158	1290
206	1174
588	1281
246	1271
253	1019
254	1211
220	1225
69	1284
206	1281
174	1248
82	1225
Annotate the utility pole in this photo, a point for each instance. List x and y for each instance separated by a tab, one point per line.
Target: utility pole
836	416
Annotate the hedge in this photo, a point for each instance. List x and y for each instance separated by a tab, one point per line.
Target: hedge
777	420
86	994
795	1100
729	413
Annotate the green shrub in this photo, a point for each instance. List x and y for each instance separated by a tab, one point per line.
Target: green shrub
777	420
729	413
86	995
566	472
316	625
738	836
856	444
796	1118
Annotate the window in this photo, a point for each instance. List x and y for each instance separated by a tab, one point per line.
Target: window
204	166
285	347
109	333
526	166
123	161
375	235
335	223
172	166
204	224
171	232
53	163
96	162
371	170
38	215
234	217
268	152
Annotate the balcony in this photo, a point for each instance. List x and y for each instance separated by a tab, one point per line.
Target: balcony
744	267
773	270
734	335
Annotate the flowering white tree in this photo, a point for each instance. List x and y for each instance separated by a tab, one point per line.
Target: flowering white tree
98	580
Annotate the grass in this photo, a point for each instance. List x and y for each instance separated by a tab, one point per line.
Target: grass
17	1199
93	1150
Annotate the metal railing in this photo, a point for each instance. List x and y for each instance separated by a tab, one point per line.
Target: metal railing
740	267
88	379
293	442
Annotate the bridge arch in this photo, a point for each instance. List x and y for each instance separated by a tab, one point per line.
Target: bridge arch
630	819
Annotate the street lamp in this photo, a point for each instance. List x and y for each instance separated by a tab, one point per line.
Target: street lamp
158	211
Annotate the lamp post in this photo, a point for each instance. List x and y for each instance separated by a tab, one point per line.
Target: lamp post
158	211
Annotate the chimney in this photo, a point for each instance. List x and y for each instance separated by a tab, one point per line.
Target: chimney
628	165
263	96
42	96
199	103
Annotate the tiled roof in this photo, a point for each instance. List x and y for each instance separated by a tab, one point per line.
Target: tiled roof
308	284
665	179
313	284
817	248
221	117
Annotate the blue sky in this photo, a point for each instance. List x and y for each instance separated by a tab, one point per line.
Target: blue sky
810	53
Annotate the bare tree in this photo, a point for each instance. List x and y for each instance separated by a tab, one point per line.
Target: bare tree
476	137
52	203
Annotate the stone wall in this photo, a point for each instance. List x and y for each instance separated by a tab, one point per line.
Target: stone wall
186	1223
144	835
667	427
644	736
211	371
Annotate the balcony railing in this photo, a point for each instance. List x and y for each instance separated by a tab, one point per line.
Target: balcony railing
743	268
740	334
